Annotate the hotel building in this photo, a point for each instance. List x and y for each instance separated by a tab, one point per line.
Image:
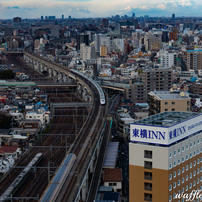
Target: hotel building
165	157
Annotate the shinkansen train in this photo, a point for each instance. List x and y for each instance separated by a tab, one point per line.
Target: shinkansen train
98	87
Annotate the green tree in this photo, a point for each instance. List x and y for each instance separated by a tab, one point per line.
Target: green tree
7	74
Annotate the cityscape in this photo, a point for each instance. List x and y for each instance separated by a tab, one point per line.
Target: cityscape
101	109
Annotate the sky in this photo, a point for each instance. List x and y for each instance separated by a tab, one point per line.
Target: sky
97	8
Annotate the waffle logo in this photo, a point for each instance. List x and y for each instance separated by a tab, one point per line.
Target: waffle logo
148	134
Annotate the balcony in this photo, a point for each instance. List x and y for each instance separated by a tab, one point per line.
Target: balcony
147	199
148	177
148	188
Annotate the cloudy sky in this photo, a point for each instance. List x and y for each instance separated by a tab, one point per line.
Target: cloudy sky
97	8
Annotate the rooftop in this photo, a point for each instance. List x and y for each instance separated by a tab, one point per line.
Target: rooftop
167	119
112	175
167	95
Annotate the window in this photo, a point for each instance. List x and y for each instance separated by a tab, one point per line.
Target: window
198	161
190	155
201	149
182	190
173	103
198	171
183	180
197	180
179	172
194	153
194	173
173	109
166	103
190	185
186	187
187	146
170	187
194	163
200	178
148	165
170	176
174	163
179	161
183	170
179	151
198	151
182	149
147	154
170	198
198	141
186	167
148	176
201	169
114	184
174	185
174	174
182	159
186	177
190	175
201	159
166	109
194	143
170	155
190	165
191	145
194	183
178	182
170	166
187	157
174	153
147	197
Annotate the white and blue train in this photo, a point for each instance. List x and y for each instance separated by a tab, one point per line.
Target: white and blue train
13	187
58	181
98	87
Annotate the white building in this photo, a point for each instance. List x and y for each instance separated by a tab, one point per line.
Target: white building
105	41
168	60
38	115
87	52
98	41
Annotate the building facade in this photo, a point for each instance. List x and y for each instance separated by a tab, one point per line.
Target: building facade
161	101
194	60
165	157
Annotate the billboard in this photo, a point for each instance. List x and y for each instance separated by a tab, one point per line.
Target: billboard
165	135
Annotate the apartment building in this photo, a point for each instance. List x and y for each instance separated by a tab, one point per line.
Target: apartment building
165	157
157	79
161	101
194	60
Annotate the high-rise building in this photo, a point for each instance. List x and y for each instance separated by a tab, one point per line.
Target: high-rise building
105	41
62	16
98	41
17	19
70	17
173	36
168	59
161	101
157	79
133	15
117	26
105	22
165	156
82	39
165	36
55	31
87	52
173	15
42	17
194	60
